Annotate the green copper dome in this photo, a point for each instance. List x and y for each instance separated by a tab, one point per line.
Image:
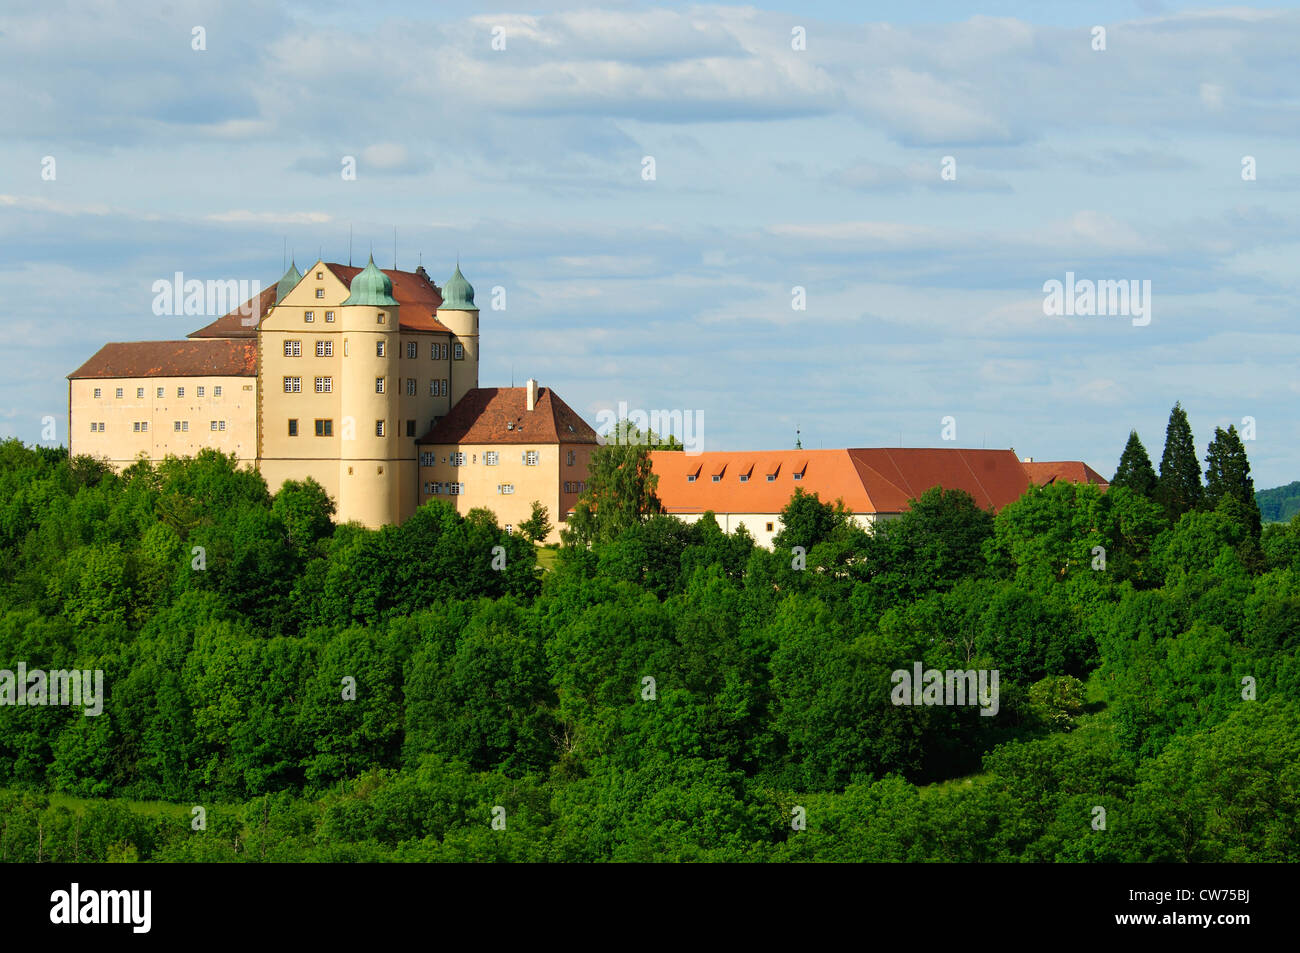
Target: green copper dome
457	293
371	287
291	278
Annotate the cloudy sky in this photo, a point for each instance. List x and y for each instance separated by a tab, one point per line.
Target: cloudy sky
774	168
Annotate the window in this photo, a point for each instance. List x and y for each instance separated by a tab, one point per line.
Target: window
379	348
690	478
309	316
320	292
505	488
139	393
379	428
455	489
491	458
458	459
94	426
771	478
118	394
379	385
410	428
329	317
433	351
345	347
427	459
324	385
180	392
99	392
324	428
320	275
412	349
798	476
744	478
510	530
293	385
324	348
380	319
160	392
769	527
460	351
530	458
717	478
410	387
216	391
573	457
212	425
433	388
293	427
140	425
179	426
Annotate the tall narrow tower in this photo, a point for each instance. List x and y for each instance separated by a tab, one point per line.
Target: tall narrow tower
368	448
460	315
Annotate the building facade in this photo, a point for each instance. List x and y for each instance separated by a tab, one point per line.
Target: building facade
334	373
750	488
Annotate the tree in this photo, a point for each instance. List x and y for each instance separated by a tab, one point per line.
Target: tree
538	526
620	489
1135	470
1179	487
1227	473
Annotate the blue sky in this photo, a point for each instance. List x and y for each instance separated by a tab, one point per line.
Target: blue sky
775	168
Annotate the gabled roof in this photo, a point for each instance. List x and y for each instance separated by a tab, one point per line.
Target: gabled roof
210	358
1067	471
418	296
501	415
233	325
867	480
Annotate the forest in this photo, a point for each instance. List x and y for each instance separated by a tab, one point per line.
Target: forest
279	687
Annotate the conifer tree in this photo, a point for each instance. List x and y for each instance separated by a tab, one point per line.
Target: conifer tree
1179	486
1135	470
1227	473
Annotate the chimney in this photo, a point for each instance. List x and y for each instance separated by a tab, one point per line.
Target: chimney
1027	460
532	393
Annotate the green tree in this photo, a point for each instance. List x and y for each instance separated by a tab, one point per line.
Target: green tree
1227	473
620	489
1135	470
538	525
1179	486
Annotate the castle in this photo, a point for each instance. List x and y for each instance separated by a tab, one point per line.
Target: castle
365	380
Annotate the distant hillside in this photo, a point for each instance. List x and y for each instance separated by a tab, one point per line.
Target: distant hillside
1279	504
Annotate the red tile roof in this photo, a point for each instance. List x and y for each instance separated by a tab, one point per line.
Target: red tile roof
195	358
1067	471
868	480
484	414
418	296
233	325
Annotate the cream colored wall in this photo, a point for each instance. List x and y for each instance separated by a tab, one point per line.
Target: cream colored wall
348	463
121	445
464	328
543	482
757	523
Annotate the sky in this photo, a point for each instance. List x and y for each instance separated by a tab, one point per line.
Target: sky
920	171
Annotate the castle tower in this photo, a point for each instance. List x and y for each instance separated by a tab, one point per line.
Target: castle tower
368	458
460	315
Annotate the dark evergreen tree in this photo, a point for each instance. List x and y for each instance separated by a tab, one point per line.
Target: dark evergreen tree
1179	486
1135	470
1227	473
